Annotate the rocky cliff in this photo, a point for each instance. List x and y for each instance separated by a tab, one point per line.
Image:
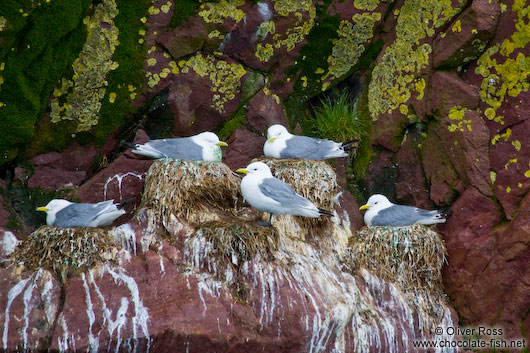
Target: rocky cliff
192	271
441	91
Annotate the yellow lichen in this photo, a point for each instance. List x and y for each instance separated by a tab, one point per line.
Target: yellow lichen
174	68
493	177
80	99
166	7
294	34
420	86
151	62
214	34
349	46
366	4
153	10
264	52
508	189
517	145
285	7
304	81
112	97
511	161
217	12
225	78
403	109
457	26
509	74
457	114
396	74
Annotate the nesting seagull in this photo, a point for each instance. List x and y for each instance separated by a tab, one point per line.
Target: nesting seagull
268	194
202	147
382	212
282	144
63	213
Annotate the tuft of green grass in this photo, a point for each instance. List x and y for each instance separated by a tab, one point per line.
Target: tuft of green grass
337	119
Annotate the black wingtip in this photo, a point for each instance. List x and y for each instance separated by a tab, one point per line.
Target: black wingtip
350	145
446	213
324	212
124	203
128	144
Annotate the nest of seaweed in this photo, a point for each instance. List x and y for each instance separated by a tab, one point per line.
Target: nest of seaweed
314	180
206	196
190	190
65	250
412	257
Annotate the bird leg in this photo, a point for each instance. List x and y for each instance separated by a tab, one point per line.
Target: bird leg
266	224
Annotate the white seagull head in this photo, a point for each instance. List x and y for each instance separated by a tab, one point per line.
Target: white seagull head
52	208
208	138
277	132
257	168
376	202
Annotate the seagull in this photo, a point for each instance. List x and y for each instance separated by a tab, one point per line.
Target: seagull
268	194
63	213
282	144
382	212
202	147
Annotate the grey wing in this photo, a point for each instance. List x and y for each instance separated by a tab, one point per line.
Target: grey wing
80	214
178	148
307	147
398	215
282	193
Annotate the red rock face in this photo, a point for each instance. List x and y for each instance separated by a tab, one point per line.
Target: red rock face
168	290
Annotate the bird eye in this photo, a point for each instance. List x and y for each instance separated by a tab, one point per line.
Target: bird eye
375	203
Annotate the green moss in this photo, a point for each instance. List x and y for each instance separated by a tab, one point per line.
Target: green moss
313	56
40	47
396	76
128	77
364	153
183	10
231	125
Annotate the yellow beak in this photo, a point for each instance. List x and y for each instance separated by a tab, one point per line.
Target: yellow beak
43	209
242	170
364	207
272	139
222	143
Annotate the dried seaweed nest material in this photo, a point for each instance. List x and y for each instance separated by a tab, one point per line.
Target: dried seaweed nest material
191	188
315	180
65	249
239	242
412	256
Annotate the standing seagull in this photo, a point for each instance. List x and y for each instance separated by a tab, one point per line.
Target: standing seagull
63	213
202	147
382	212
282	144
268	194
